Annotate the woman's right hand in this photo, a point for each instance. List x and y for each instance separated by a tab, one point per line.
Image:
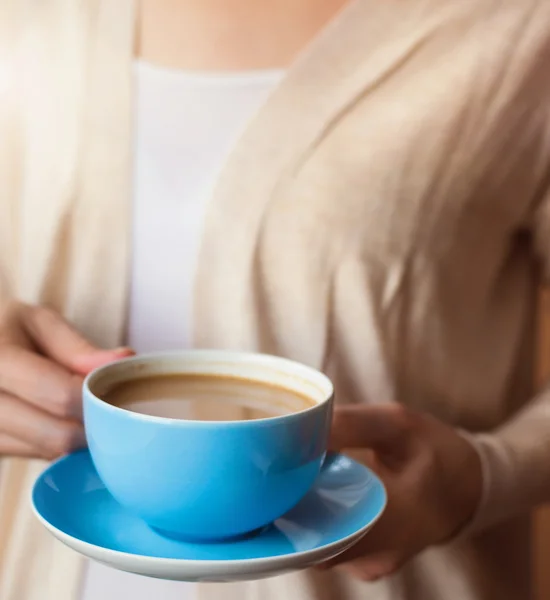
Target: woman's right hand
43	361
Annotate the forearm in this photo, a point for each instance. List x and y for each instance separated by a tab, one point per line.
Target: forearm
516	464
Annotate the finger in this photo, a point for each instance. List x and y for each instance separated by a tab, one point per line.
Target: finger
10	446
46	435
378	427
58	340
86	364
370	558
362	549
371	568
373	544
365	456
41	382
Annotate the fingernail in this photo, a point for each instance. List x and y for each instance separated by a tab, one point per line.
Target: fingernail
123	351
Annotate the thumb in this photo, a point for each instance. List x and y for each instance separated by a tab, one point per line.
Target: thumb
58	340
379	427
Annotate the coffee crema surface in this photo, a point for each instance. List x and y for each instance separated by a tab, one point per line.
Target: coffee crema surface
201	397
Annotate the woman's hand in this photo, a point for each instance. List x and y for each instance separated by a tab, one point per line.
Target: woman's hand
432	475
42	364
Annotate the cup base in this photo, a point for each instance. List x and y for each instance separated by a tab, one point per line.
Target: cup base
181	537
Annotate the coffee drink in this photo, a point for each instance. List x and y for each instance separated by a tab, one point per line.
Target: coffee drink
205	397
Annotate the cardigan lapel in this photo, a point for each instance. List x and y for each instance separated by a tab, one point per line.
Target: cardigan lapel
101	219
50	57
9	146
75	153
75	217
362	46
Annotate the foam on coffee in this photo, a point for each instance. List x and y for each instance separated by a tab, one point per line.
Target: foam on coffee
205	397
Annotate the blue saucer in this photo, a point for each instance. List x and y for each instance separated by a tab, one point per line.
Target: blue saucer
73	504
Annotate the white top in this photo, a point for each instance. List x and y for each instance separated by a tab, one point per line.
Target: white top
185	125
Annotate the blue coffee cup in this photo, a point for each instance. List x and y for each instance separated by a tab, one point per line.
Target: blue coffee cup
208	480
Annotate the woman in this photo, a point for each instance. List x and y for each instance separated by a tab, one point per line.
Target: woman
381	206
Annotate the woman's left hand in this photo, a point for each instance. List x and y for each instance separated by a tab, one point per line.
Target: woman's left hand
432	475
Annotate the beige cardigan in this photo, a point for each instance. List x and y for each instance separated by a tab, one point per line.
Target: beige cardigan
376	220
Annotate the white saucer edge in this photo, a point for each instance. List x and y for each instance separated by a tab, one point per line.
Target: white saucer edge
178	569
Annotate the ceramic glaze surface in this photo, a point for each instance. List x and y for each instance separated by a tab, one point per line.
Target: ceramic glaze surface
72	502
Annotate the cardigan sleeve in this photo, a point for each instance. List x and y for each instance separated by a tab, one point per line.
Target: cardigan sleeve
515	462
515	458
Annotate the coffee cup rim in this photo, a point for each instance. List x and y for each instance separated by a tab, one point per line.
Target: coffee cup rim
312	376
